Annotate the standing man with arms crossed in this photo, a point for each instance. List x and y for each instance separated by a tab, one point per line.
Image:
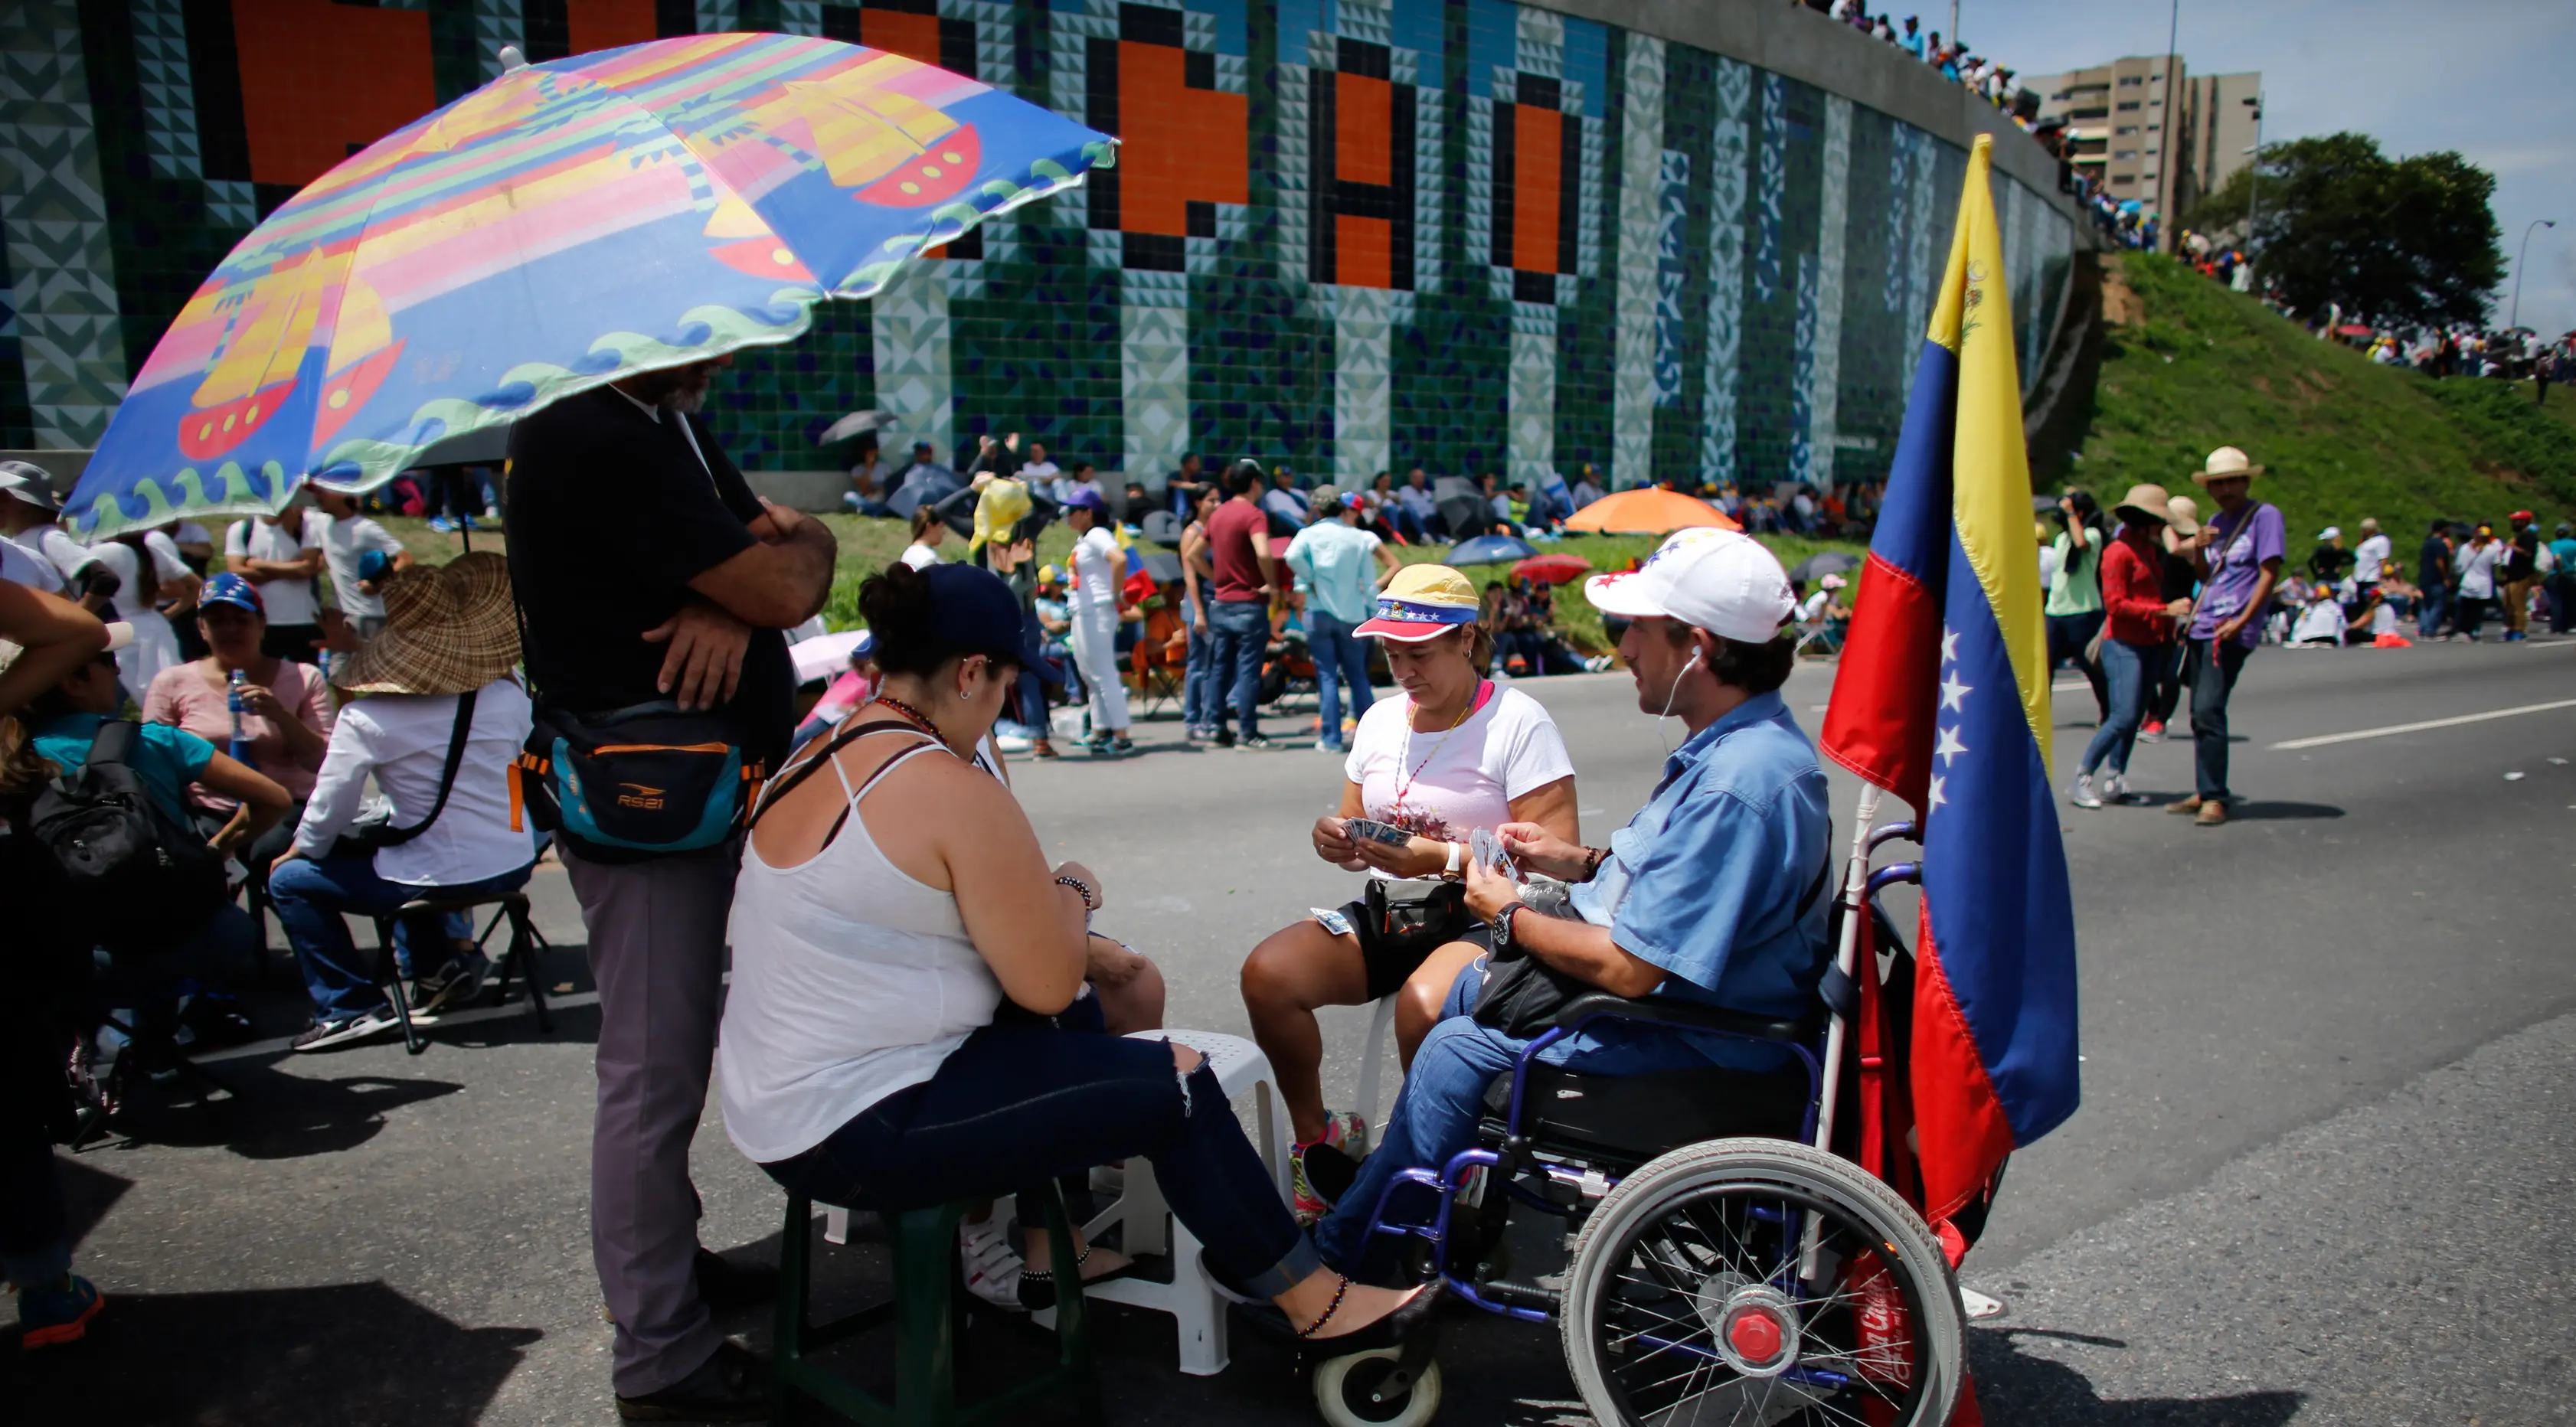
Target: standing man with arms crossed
283	556
1246	581
647	571
2238	554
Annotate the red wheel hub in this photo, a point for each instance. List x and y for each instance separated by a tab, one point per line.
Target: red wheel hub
1755	1335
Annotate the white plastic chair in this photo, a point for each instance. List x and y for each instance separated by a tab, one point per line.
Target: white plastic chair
1146	1223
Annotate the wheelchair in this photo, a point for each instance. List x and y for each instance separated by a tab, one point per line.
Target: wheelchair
1722	1266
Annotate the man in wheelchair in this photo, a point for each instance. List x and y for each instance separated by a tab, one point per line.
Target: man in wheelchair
1709	897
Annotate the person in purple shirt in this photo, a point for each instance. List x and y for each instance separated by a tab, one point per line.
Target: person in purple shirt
2238	556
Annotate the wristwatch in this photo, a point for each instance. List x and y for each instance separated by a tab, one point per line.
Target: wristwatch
1457	862
1503	926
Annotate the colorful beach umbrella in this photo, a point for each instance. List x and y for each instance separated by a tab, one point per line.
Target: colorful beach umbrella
1650	510
566	225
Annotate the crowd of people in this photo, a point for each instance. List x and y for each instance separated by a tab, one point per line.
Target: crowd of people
2154	601
1980	74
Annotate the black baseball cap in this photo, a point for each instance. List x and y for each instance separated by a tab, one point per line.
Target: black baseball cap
973	612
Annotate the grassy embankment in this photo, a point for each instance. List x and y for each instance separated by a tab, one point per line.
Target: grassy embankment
2341	438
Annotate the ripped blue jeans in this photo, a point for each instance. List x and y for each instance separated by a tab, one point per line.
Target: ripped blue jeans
1019	1104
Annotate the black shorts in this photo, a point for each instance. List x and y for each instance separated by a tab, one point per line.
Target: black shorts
1390	960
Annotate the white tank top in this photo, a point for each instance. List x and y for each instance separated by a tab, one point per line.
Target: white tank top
851	981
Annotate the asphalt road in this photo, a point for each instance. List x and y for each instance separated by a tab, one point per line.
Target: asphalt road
2319	1176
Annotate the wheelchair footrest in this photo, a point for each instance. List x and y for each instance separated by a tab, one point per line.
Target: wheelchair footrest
1519	1295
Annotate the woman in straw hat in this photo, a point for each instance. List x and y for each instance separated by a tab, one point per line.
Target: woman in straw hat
2238	556
2181	582
2141	628
449	636
1457	753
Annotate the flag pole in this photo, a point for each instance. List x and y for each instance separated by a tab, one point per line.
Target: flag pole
1855	904
1855	898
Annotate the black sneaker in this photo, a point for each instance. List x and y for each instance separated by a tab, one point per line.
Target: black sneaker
1225	738
450	987
1257	741
322	1035
731	1386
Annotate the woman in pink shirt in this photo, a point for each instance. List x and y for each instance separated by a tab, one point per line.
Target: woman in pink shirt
286	710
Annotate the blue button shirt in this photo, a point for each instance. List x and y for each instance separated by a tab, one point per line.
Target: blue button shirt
1704	882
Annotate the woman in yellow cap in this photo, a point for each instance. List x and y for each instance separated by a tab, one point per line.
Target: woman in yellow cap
1423	773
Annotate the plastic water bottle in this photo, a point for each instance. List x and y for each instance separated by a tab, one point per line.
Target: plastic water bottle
239	748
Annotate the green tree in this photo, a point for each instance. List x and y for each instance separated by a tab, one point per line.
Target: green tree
2395	242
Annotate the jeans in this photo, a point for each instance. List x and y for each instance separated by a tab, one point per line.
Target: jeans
1443	1097
2164	693
1340	657
2125	667
2212	669
2067	636
1242	636
2431	609
35	1236
1406	523
1019	1104
223	951
2562	595
1198	677
311	898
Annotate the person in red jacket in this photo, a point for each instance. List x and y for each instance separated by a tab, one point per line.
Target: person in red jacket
2140	627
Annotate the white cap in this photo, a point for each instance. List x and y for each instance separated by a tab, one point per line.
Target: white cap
1722	581
2331	532
31	483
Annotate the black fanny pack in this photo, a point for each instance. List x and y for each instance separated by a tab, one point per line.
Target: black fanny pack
1418	923
636	783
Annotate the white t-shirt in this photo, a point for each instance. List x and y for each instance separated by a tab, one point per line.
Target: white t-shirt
2370	562
2477	569
1447	785
287	601
189	532
120	557
1100	566
56	544
920	556
343	542
26	565
401	741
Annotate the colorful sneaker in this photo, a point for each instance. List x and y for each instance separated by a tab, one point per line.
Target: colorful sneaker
2152	731
1345	1143
58	1312
322	1035
991	1265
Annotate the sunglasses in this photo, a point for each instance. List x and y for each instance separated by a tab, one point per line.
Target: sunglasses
1616	626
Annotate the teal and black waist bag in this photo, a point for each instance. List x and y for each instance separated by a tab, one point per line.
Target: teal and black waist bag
636	783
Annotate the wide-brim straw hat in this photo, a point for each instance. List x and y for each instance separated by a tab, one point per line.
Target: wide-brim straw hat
2183	514
448	630
2147	500
2226	463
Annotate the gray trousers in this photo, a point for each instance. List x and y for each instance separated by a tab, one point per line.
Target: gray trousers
657	954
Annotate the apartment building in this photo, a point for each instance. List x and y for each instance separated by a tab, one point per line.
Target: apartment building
2146	129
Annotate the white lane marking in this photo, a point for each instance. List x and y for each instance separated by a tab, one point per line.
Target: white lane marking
2362	733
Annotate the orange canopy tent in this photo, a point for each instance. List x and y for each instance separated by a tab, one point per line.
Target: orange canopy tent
1652	510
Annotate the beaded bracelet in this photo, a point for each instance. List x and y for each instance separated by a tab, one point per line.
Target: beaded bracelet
1089	903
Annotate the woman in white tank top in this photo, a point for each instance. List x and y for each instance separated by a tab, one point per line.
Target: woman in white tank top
891	906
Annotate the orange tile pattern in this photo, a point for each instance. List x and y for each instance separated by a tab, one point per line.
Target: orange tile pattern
1181	145
321	81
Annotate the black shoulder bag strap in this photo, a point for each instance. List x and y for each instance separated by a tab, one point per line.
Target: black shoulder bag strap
113	743
456	740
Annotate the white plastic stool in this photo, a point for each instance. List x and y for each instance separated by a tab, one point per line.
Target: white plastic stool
1146	1223
1381	1023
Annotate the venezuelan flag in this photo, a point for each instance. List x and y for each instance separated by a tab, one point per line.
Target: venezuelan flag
1942	699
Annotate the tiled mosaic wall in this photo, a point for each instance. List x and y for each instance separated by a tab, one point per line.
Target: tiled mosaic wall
1347	234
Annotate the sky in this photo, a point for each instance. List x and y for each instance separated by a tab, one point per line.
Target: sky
2491	80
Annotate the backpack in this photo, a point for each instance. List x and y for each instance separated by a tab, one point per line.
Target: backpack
137	875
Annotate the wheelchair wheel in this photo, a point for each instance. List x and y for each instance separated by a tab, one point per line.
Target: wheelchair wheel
1685	1304
1346	1388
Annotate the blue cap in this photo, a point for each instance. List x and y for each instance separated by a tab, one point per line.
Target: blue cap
973	612
229	588
1086	498
374	565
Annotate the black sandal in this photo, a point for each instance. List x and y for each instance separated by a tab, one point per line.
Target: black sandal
1410	1319
1037	1286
